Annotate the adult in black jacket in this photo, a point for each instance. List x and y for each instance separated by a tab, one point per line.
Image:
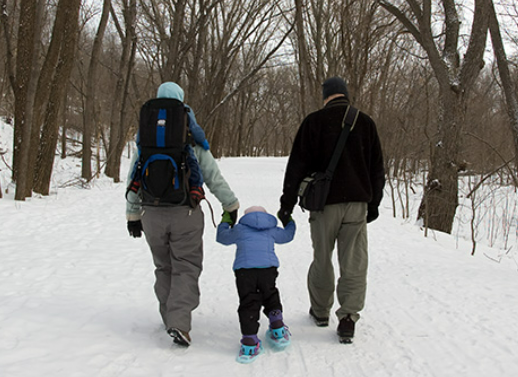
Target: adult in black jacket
353	201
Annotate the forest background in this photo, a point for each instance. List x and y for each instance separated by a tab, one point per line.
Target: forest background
438	77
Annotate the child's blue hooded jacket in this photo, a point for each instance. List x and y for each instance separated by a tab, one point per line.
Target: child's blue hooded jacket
255	236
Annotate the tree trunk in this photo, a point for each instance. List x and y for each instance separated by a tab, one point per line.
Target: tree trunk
303	57
456	78
46	76
91	86
125	119
58	89
117	127
440	198
505	76
174	58
24	95
64	125
5	21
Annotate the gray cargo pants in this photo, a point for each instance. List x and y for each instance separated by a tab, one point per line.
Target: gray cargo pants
174	235
344	224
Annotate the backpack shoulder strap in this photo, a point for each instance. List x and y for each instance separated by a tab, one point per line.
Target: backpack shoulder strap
348	123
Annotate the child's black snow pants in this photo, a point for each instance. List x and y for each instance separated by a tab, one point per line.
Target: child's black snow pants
256	288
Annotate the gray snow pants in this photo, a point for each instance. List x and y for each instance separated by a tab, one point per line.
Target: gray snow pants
174	235
346	225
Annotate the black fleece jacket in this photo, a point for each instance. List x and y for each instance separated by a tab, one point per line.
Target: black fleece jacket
359	175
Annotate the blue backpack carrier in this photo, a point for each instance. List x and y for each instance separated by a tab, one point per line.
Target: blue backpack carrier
161	171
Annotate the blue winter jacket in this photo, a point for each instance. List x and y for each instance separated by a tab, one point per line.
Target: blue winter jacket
255	236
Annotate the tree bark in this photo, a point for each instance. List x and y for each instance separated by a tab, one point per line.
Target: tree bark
10	63
456	78
440	199
90	120
118	129
46	77
58	87
24	95
505	76
124	120
303	56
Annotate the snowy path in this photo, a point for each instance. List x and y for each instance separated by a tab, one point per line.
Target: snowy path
76	297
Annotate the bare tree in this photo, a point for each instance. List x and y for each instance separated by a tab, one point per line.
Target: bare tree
302	56
7	21
217	50
23	83
119	125
68	31
505	75
253	29
456	77
339	38
90	91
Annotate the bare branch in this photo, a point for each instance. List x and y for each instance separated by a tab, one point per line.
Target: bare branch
452	32
251	73
409	25
506	163
473	60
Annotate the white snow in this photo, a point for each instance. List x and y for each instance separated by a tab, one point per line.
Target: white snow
76	295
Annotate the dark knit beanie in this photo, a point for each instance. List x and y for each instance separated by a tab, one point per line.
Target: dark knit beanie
334	85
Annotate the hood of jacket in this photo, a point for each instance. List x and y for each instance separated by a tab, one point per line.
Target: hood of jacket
170	90
259	220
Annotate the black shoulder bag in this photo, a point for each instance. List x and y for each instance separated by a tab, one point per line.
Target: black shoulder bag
313	190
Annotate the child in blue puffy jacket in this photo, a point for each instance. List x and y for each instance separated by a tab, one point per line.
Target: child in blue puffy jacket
255	267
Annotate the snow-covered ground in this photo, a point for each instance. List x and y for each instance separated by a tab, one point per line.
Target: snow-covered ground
76	295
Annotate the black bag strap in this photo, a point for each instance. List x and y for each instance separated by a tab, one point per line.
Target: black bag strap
350	117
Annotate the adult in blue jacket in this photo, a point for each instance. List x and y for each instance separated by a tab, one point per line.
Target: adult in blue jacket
255	267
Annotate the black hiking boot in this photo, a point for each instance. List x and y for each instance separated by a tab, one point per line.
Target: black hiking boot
345	330
319	321
180	337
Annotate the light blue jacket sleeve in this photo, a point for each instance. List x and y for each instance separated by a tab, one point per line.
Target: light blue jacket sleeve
133	200
214	180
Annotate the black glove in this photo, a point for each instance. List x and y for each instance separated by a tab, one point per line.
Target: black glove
285	216
233	217
135	228
372	213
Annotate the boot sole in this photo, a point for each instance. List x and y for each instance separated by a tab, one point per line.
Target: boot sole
345	340
179	338
320	322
